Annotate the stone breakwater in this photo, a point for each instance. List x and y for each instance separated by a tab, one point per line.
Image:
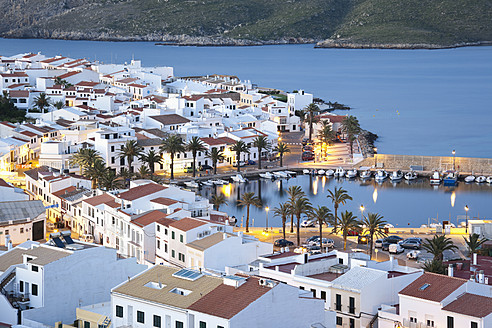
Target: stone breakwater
366	142
465	165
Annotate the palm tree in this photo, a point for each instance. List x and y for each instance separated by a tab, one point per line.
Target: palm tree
374	224
434	266
239	147
474	242
130	150
59	104
218	200
125	175
294	192
338	197
437	245
195	145
281	149
351	126
326	134
151	158
110	181
85	158
143	172
320	215
262	143
310	110
95	172
247	199
282	211
301	205
172	145
215	155
42	101
348	222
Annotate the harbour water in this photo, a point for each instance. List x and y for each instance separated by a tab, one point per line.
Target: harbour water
420	102
403	204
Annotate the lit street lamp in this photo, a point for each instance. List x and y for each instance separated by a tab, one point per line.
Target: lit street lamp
375	152
266	210
362	208
466	210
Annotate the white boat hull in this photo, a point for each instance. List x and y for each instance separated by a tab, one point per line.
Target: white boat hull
306	171
470	178
321	172
329	172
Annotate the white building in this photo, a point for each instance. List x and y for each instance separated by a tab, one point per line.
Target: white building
21	220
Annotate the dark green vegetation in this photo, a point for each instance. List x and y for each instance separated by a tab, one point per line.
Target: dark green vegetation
441	22
8	111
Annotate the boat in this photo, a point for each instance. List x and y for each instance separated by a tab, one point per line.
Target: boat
396	175
291	172
281	174
381	175
267	175
451	178
351	174
219	182
207	183
435	178
329	172
238	178
366	174
306	171
489	179
191	184
411	175
480	179
470	179
321	172
339	172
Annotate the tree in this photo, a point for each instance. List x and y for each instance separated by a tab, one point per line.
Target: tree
215	155
195	145
8	111
320	215
110	181
218	200
434	266
143	172
374	225
130	150
95	172
301	205
294	192
248	199
59	104
239	147
85	158
282	211
338	197
474	242
348	222
125	175
351	127
42	101
326	134
437	245
173	145
151	158
262	143
281	149
310	111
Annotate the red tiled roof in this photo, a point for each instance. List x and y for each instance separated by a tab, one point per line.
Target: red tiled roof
14	74
4	183
127	80
136	85
439	287
149	217
64	191
8	124
29	134
141	191
187	224
164	201
98	200
193	98
19	93
226	301
218	141
279	255
170	119
51	60
69	74
472	305
483	263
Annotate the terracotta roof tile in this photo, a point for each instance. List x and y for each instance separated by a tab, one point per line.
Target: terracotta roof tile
141	191
472	305
439	287
98	200
170	119
187	224
218	141
149	217
164	201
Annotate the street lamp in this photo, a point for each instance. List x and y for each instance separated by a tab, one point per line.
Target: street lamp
376	251
266	210
375	152
466	211
454	159
362	208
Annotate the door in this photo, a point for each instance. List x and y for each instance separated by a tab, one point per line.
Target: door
37	230
130	315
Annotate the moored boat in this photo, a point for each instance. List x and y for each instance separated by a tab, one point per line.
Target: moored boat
238	178
339	172
329	172
435	178
351	174
306	171
412	175
381	175
480	179
450	178
267	175
321	172
207	183
489	179
396	175
191	184
469	178
366	174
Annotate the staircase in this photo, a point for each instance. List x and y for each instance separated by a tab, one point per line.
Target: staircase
373	320
7	280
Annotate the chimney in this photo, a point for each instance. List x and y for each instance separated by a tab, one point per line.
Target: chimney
481	277
486	280
225	235
475	258
7	240
392	262
450	270
9	247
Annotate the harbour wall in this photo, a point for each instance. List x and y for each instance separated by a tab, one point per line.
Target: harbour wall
465	165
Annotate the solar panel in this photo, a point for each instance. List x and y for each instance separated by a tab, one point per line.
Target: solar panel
188	274
424	286
68	240
235	278
58	242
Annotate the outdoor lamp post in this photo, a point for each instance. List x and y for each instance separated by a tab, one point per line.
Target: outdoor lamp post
454	159
375	152
466	222
266	210
362	208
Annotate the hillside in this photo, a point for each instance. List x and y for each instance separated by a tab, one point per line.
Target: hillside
243	22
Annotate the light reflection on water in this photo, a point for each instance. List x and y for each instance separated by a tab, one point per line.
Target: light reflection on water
403	204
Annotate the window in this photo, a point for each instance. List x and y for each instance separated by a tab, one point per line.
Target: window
21	230
339	321
323	295
474	325
165	232
340	261
158	244
450	322
181	238
413	319
219	326
173	254
430	323
338	302
21	286
87	324
158	228
203	324
314	292
34	290
119	311
165	248
179	324
172	235
157	321
351	305
352	323
140	317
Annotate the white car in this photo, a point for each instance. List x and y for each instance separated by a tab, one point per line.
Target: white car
307	224
395	249
378	243
326	242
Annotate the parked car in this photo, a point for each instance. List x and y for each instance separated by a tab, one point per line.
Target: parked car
411	244
307	224
413	255
378	243
395	249
241	163
326	242
188	169
363	239
312	238
307	156
415	238
283	243
50	225
304	141
314	249
87	238
205	167
251	162
353	233
393	239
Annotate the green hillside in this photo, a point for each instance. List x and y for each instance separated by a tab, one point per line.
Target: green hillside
442	22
